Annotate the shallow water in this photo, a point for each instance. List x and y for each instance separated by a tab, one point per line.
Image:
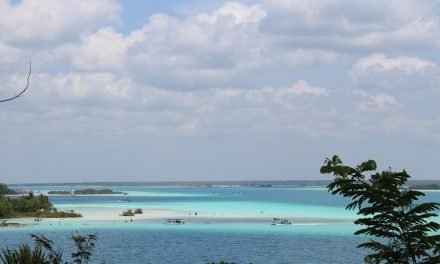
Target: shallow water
204	241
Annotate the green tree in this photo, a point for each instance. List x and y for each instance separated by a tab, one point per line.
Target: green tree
404	230
5	190
5	207
44	202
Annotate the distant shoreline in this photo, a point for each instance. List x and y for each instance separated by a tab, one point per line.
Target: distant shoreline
185	183
214	184
85	192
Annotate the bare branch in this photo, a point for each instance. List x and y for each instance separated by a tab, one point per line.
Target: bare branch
25	88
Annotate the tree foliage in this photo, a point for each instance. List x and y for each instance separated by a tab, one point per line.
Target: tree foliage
400	229
44	252
84	248
5	207
30	206
5	190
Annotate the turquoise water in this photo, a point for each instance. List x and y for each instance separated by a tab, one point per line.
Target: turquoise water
322	234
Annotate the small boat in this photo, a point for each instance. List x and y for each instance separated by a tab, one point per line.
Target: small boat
72	192
174	221
279	221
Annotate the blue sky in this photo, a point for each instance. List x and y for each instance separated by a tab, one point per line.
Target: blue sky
217	90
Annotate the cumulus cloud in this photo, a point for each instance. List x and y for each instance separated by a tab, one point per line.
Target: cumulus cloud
203	51
301	88
35	23
380	63
236	12
9	54
75	87
405	73
234	69
383	99
336	71
375	102
306	57
95	102
356	25
102	50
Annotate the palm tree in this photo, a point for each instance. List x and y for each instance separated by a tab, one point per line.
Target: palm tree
44	253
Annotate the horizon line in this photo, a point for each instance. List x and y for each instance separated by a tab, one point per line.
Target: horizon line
164	182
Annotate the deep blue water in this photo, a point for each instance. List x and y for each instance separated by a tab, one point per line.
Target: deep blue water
147	246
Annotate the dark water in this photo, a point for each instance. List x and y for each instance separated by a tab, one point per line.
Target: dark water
146	246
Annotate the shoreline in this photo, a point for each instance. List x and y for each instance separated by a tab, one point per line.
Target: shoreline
95	215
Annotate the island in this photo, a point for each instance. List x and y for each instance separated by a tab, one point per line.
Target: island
29	205
86	192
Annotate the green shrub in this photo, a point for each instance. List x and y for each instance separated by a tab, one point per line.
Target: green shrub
5	207
129	212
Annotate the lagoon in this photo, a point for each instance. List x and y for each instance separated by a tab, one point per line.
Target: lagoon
232	223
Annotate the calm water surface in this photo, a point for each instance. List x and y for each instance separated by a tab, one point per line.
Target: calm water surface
147	242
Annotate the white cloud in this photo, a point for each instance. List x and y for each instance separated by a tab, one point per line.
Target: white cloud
383	99
101	103
379	62
190	54
232	70
40	22
377	71
236	12
300	88
102	50
377	103
9	54
302	57
346	24
75	87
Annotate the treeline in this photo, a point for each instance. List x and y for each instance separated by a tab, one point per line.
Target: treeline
86	191
31	206
4	190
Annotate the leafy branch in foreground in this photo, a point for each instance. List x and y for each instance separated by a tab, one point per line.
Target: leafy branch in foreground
44	253
389	212
84	248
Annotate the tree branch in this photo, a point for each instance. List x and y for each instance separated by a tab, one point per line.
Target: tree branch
25	88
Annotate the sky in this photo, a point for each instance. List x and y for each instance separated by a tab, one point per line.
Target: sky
125	90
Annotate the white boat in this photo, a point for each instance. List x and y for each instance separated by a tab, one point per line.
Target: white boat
279	221
174	221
